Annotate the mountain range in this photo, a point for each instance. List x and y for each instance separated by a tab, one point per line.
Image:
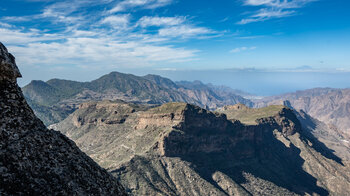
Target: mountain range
153	136
182	149
55	99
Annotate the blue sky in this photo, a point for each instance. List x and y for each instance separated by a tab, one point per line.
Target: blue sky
84	39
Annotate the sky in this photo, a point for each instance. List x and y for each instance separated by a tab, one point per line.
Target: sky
277	45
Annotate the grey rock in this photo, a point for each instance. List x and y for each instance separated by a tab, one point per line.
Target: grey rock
38	161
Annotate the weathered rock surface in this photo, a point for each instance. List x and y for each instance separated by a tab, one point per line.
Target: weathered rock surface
331	106
38	161
182	149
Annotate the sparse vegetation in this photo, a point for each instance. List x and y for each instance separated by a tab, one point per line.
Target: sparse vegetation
250	115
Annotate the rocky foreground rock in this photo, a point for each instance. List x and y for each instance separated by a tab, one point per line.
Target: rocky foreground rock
182	149
38	161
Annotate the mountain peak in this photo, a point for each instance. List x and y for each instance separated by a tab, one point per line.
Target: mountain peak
8	68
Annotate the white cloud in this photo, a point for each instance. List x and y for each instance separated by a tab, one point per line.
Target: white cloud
117	21
266	14
147	21
89	48
144	4
278	3
60	11
101	39
2	24
241	49
13	36
184	31
101	52
273	9
16	18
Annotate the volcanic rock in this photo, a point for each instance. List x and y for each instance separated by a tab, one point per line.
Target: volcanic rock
38	161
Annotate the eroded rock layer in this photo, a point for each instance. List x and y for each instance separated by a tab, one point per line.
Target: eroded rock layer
181	149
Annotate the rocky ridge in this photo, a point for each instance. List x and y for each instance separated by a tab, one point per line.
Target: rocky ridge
38	161
55	99
182	149
331	106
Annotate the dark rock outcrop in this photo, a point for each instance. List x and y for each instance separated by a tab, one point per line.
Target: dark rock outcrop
38	161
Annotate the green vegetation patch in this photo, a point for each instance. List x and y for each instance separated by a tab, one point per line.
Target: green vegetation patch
249	115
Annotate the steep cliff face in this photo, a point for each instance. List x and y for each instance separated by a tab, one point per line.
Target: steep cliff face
331	106
182	149
38	161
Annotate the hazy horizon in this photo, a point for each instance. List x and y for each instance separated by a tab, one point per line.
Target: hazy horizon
256	82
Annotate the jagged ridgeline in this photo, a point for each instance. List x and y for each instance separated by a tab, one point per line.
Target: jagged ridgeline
38	161
182	149
331	106
54	100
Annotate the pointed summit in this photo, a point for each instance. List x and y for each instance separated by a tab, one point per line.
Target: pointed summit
8	68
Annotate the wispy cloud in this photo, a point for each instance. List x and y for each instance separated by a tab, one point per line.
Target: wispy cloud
278	3
266	14
241	49
10	35
147	21
102	39
16	18
119	22
184	31
100	52
143	4
2	24
272	9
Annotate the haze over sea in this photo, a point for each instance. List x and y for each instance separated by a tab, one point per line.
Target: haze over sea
266	83
256	82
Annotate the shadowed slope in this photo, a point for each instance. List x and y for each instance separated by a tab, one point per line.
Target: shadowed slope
181	149
331	106
38	161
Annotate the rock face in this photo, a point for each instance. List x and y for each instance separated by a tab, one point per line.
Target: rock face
54	100
331	106
182	149
8	69
38	161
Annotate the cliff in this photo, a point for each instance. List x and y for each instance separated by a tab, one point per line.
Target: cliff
182	149
38	161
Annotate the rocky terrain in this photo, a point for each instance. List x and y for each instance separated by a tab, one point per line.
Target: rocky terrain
182	149
313	129
54	100
38	161
331	106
